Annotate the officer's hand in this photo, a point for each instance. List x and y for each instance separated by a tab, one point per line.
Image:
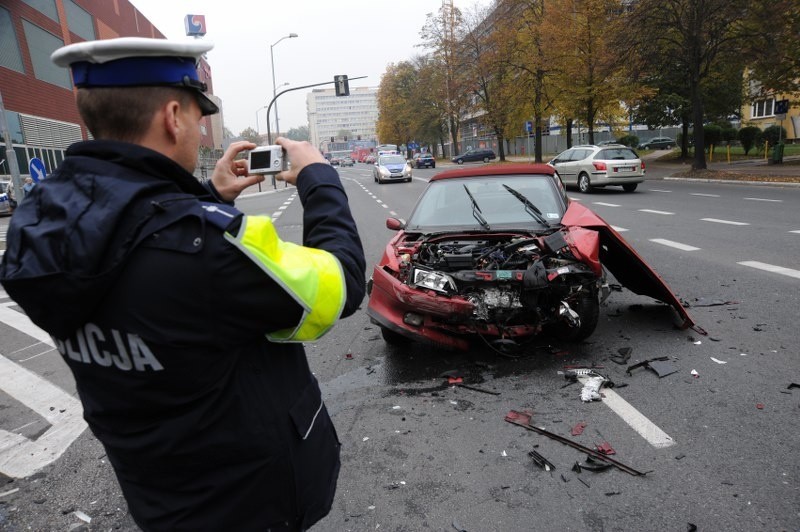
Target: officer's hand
300	154
230	175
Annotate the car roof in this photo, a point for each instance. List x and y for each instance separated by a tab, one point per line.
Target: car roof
495	170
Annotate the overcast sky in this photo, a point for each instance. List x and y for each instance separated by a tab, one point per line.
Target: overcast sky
353	37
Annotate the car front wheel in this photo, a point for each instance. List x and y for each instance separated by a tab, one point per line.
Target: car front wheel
630	187
588	308
584	185
460	161
486	159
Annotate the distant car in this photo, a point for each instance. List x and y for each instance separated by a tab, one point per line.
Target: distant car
369	159
499	254
481	154
346	161
658	143
5	201
600	166
391	168
335	161
425	160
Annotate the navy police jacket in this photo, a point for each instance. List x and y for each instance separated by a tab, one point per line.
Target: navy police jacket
208	425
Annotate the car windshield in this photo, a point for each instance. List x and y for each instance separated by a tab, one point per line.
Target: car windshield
446	204
393	159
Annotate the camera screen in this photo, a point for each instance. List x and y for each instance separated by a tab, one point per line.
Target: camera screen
260	159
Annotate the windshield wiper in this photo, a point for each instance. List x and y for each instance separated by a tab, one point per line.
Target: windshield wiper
530	208
476	211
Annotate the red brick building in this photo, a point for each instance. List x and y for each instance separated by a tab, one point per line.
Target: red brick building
38	97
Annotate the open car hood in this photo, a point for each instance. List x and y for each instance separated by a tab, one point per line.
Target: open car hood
624	263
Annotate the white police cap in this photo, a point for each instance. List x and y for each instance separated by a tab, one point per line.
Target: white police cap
137	62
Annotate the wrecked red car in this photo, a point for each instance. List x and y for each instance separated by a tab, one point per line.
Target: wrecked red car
500	253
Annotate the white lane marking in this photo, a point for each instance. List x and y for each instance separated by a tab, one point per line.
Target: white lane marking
606	204
704	195
765	199
393	213
574	199
651	211
771	268
19	456
635	419
283	208
618	229
658	190
716	220
384	206
677	245
797	231
276	215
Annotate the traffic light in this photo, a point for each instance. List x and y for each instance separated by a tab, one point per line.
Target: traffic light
342	85
331	139
345	139
359	137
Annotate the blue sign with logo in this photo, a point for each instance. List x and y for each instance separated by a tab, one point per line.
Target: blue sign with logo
37	169
528	126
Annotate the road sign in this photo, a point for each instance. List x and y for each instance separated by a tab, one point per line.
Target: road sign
781	107
528	126
37	169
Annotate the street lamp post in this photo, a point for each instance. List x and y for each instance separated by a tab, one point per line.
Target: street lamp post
258	129
274	88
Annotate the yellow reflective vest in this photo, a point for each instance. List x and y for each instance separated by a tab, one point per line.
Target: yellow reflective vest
313	277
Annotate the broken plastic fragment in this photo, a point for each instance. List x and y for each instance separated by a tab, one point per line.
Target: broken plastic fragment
760	406
577	430
454	380
718	361
82	516
698	342
504	453
662	368
591	389
605	448
659	365
694	373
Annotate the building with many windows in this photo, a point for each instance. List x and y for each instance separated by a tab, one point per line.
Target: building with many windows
328	115
37	96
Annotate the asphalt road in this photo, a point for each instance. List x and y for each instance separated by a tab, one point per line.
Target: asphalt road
720	448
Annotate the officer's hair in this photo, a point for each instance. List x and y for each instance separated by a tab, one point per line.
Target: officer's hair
124	113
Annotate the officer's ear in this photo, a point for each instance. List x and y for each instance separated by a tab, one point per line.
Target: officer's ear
171	112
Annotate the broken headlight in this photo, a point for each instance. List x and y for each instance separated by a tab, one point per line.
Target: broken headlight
431	280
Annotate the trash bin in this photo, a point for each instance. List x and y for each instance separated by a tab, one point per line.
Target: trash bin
777	154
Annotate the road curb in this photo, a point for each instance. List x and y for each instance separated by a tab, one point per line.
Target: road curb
730	181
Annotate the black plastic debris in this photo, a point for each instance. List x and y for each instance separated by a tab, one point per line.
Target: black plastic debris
523	419
591	464
793	385
659	365
623	357
610	493
541	461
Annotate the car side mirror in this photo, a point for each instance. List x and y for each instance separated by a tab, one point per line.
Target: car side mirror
394	224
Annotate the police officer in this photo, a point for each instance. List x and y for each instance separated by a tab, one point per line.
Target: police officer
180	317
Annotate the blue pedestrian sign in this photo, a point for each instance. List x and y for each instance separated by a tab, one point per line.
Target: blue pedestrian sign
36	167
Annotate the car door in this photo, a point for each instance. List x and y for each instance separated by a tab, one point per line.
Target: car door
566	170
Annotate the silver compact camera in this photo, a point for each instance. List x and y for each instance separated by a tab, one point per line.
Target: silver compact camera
267	160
